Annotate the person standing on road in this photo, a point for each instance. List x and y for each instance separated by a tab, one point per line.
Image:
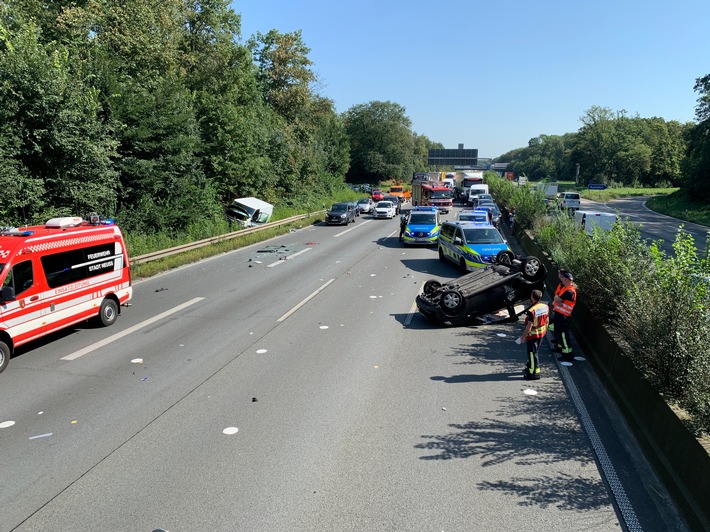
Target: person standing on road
536	320
402	226
562	307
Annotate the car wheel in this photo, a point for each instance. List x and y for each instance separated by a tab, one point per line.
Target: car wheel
108	313
505	257
462	265
532	268
452	302
431	287
4	356
442	258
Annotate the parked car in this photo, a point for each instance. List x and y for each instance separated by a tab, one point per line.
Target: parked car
340	214
354	206
470	245
365	204
493	209
502	285
482	197
377	194
569	201
385	209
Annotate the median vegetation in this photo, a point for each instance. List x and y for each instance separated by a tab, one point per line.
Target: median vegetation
657	305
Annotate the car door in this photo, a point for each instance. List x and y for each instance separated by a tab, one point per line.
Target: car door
24	316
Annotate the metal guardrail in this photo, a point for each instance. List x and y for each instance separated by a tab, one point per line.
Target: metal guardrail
156	255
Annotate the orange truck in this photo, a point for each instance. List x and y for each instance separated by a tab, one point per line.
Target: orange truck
398	190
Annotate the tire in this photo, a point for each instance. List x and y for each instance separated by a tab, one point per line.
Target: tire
442	258
431	287
108	313
452	303
4	356
532	269
505	257
462	265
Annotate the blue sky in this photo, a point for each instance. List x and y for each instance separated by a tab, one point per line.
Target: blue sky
492	75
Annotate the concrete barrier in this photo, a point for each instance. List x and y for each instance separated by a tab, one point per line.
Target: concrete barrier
678	456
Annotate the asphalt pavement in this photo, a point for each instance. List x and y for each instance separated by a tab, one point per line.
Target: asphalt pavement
641	500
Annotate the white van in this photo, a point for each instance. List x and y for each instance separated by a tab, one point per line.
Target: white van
474	191
248	212
588	220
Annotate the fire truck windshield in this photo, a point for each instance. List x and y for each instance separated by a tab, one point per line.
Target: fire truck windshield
440	194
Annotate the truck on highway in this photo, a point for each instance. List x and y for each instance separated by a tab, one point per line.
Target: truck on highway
548	189
432	194
471	177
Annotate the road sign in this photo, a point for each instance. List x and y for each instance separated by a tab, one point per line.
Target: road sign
596	186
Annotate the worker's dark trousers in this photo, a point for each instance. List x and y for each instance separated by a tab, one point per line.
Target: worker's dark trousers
532	366
560	327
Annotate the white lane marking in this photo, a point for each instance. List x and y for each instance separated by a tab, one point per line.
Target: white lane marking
353	227
130	330
41	436
412	312
288	258
314	294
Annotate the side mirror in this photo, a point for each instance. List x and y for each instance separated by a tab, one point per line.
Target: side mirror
7	294
458	241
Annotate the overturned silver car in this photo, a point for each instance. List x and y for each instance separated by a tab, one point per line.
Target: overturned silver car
504	284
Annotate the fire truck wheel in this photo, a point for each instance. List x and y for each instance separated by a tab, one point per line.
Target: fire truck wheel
4	356
108	313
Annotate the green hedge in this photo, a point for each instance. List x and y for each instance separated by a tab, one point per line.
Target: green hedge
657	305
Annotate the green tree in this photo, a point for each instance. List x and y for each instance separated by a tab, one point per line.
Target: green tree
284	71
57	144
381	142
697	164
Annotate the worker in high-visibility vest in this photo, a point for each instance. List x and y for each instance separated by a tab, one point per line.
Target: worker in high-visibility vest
536	320
562	307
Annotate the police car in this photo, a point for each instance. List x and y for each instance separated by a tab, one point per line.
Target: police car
422	226
470	245
475	215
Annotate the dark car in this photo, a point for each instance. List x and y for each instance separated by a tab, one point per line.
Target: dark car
340	213
507	282
395	200
355	207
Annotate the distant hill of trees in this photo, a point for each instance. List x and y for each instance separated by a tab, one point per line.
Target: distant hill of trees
617	150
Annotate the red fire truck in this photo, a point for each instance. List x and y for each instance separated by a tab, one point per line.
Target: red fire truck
432	194
59	274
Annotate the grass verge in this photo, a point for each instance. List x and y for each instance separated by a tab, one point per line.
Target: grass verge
148	269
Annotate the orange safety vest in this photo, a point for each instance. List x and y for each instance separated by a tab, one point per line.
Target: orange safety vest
541	316
565	308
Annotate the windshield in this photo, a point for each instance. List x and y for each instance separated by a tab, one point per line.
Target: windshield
482	236
384	205
440	194
364	200
422	218
468	181
248	211
339	207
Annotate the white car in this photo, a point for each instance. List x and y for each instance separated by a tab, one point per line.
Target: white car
385	209
365	204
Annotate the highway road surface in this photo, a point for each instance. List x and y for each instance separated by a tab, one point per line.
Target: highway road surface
293	386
